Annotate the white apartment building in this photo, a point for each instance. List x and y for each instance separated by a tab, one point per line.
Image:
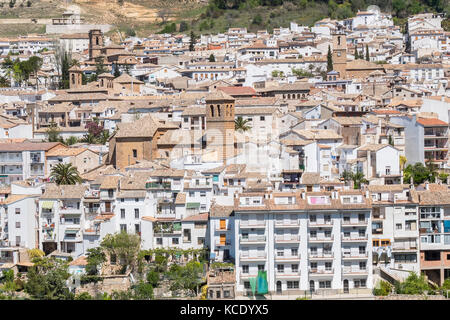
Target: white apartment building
305	241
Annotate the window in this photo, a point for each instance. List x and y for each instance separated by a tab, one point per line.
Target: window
262	118
280	252
200	241
218	294
122	213
191	194
327	218
385	243
136	199
123	227
175	240
398	226
294	252
362	249
260	267
313	265
246	284
325	284
313	250
313	234
122	200
226	293
17	224
327	234
292	284
280	268
134	153
158	240
294	268
328	266
202	193
17	210
312	218
362	265
137	228
361	233
136	213
245	269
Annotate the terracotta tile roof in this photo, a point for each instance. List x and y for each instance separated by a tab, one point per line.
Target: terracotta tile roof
431	122
310	178
219	211
28	146
81	261
238	91
53	191
110	182
203	217
181	198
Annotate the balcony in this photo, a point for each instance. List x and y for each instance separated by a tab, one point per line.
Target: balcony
69	210
404	249
256	239
259	257
284	224
200	185
158	185
290	275
290	258
92	210
321	256
355	256
252	224
46	225
48	237
351	223
353	271
247	275
320	239
354	239
287	239
219	243
165	200
321	272
323	224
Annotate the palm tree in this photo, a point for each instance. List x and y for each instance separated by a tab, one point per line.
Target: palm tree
65	174
241	124
358	178
104	136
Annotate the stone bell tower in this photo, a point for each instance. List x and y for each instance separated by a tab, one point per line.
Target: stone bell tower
340	53
75	77
220	124
95	43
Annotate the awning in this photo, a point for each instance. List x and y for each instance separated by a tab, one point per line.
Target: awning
71	230
192	205
47	205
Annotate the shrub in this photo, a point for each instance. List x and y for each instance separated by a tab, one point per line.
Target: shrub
382	289
414	284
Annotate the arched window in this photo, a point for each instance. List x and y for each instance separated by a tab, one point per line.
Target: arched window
339	40
73	78
96	41
218	110
212	110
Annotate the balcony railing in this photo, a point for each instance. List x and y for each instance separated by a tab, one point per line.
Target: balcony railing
253	224
322	224
355	255
69	210
258	257
320	239
92	194
291	238
354	238
284	224
329	255
287	274
158	185
355	222
321	271
255	239
287	258
219	243
354	271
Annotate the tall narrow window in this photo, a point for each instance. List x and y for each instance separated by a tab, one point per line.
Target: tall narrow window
218	110
212	110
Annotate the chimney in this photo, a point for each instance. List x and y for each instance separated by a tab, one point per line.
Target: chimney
427	185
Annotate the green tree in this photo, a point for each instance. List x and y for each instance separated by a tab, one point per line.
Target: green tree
143	291
257	20
418	172
116	72
347	175
414	284
46	280
153	278
83	296
212	58
125	247
358	179
89	138
367	53
95	257
71	140
53	133
241	125
65	174
329	60
383	288
192	41
183	26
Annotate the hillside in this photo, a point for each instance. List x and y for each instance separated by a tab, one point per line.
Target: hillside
142	17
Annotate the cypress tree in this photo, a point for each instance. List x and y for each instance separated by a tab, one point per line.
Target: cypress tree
367	53
329	60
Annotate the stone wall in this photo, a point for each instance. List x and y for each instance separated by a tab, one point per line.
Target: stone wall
108	285
76	28
411	297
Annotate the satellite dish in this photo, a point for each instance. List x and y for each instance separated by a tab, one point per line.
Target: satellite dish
374	9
